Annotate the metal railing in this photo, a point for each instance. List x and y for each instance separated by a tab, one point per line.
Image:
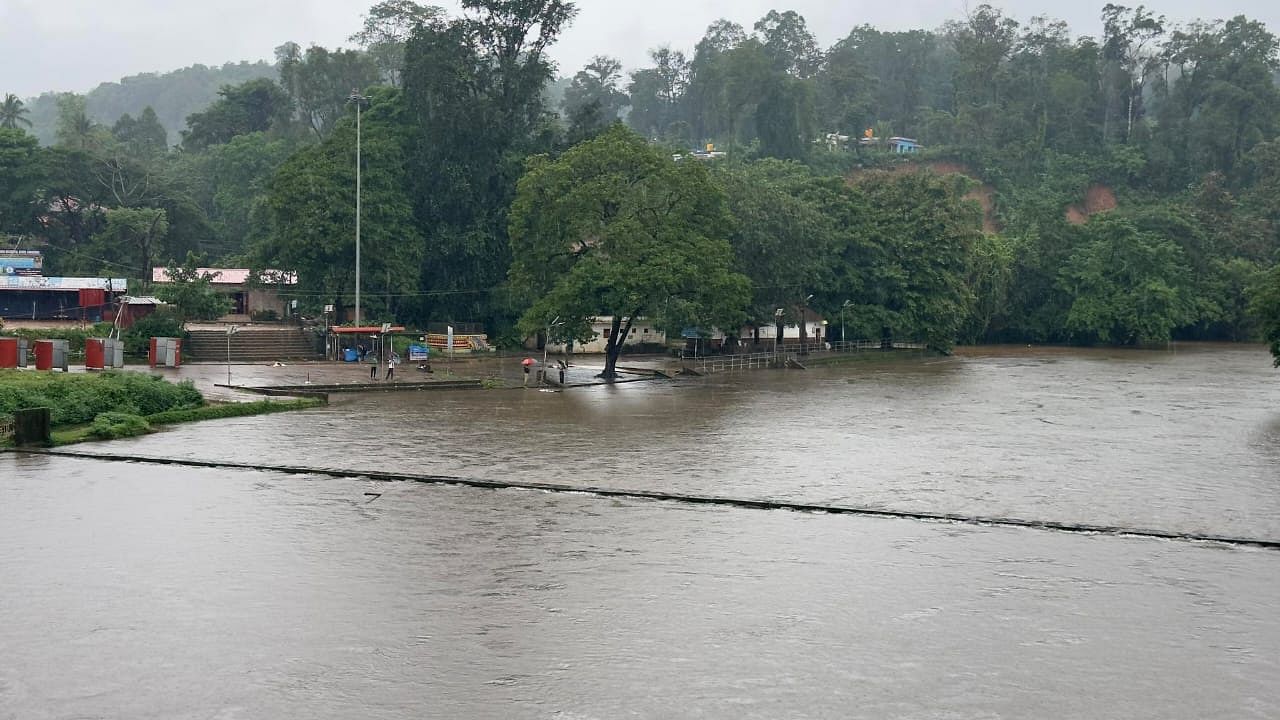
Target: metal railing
791	351
729	363
6	427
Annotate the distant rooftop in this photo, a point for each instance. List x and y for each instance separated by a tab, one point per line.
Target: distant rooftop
232	276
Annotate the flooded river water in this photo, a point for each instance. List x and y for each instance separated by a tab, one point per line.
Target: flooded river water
140	591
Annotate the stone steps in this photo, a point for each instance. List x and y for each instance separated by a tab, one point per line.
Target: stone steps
251	345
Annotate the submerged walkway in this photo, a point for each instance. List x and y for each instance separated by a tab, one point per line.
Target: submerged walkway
1078	528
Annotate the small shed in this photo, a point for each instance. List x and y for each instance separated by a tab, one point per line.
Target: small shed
904	146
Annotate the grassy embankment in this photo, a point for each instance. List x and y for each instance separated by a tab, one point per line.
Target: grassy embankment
103	406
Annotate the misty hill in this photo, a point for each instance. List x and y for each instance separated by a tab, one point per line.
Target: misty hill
173	95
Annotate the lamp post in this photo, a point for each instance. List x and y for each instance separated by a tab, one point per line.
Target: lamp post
804	319
842	309
550	326
231	330
359	100
777	328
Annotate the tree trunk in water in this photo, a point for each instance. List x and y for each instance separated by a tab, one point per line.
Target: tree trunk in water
611	350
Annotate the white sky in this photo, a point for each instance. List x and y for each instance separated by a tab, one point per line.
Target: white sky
76	44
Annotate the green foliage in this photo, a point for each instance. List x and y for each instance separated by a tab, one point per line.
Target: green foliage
1264	303
1128	286
311	211
191	292
387	27
474	110
255	106
174	95
112	425
13	113
231	410
592	101
614	228
164	322
78	398
319	83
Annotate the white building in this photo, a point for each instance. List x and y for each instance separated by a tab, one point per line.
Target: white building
642	331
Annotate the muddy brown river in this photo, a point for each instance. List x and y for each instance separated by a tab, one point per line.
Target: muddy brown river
140	591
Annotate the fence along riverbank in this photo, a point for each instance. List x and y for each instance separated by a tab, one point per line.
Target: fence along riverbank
792	355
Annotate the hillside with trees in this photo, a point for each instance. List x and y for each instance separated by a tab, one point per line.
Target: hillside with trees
987	181
172	96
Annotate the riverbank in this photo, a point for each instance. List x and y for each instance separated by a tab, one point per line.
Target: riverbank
108	405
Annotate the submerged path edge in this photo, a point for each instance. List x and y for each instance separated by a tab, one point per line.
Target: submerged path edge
747	503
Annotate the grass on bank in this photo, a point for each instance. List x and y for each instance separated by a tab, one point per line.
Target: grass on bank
112	404
110	426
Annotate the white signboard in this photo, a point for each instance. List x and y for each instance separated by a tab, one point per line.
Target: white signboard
18	282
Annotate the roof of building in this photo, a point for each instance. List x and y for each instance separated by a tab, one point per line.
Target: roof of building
232	276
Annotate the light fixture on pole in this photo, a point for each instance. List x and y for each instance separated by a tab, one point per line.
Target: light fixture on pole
777	330
359	100
231	330
842	309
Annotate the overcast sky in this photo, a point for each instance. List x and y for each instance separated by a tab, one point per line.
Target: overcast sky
76	44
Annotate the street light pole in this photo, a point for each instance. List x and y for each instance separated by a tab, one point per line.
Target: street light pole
359	100
553	324
231	330
777	330
842	308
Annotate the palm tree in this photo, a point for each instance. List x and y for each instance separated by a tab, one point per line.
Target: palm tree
12	111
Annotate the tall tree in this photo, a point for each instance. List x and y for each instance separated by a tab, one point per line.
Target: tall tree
387	27
614	228
311	206
141	137
1128	286
593	99
13	113
1265	305
656	94
320	82
787	39
76	131
1129	58
21	172
254	106
474	98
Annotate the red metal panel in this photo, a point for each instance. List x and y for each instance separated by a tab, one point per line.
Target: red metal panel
44	354
94	357
8	352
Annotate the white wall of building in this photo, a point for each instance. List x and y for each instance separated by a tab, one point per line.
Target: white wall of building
642	331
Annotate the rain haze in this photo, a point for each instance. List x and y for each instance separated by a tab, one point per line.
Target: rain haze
76	44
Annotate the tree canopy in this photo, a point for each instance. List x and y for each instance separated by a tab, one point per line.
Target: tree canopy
614	228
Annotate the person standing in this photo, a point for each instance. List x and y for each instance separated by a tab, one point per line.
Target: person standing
373	366
391	365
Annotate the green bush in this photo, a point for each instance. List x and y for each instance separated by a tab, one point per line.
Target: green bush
112	425
231	410
78	398
164	322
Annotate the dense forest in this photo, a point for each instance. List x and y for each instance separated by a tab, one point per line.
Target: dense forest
1120	187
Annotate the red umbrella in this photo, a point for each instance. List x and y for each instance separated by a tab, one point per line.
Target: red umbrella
527	362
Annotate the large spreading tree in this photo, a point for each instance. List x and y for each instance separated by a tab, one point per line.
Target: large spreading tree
614	228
